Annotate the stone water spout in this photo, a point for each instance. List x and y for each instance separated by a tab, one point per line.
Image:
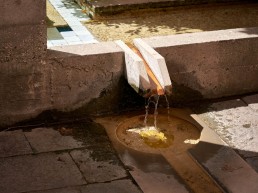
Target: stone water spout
146	69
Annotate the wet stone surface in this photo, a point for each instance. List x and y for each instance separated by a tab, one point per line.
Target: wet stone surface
48	139
37	172
225	166
60	190
99	165
236	123
120	186
61	159
13	143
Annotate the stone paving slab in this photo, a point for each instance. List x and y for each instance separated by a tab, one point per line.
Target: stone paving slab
60	190
38	172
13	143
236	123
119	186
252	101
98	165
49	139
226	167
153	182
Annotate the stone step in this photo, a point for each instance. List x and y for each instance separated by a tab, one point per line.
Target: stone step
222	163
109	7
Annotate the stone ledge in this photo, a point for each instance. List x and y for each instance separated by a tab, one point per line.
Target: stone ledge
210	64
88	79
108	7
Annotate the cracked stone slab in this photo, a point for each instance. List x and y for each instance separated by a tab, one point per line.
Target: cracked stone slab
236	123
13	143
118	186
49	139
252	101
98	165
226	167
153	173
60	190
38	172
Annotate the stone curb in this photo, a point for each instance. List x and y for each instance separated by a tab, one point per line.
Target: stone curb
221	162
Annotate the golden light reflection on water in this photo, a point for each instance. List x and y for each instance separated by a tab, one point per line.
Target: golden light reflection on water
153	137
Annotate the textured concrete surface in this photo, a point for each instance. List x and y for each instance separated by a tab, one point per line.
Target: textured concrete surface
48	139
120	186
81	73
235	122
65	78
225	166
13	143
98	165
20	62
59	83
36	172
11	12
252	101
210	64
60	190
62	167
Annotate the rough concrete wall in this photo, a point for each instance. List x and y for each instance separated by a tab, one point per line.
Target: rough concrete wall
211	64
22	30
22	58
81	73
86	79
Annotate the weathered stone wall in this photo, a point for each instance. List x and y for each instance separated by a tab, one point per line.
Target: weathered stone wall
22	30
22	58
210	64
88	78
